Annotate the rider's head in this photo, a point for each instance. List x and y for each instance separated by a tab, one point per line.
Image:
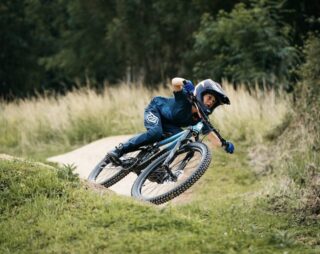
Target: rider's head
211	94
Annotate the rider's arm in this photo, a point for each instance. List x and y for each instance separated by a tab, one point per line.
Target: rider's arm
213	138
177	84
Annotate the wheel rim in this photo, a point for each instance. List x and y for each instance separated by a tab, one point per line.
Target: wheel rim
152	189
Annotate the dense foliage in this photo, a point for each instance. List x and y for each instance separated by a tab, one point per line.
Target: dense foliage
247	45
57	44
299	144
309	89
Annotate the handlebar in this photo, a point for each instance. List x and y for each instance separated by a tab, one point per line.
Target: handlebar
204	116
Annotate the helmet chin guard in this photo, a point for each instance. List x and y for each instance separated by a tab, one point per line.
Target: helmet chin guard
214	88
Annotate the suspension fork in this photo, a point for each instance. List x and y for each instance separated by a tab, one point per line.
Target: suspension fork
185	161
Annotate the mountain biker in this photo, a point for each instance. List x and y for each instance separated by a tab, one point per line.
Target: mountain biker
165	116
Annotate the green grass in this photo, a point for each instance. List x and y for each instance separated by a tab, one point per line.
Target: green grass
49	210
231	210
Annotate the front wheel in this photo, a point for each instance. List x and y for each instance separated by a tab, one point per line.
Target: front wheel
158	185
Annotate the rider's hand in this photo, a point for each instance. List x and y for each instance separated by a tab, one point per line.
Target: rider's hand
188	86
229	147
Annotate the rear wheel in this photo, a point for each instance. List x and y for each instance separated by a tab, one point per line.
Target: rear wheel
157	184
107	173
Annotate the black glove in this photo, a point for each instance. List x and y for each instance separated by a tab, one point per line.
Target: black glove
188	86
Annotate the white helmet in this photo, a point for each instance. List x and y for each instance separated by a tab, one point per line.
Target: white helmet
214	88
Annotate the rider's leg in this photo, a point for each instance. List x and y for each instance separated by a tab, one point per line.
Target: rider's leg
170	129
152	122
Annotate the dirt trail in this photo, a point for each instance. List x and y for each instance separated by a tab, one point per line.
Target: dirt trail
86	157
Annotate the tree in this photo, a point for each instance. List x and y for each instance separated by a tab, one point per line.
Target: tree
249	44
20	71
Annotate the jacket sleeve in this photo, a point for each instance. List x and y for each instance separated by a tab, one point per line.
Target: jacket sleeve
180	95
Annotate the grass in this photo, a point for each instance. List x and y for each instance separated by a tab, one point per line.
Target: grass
232	210
55	213
46	126
251	115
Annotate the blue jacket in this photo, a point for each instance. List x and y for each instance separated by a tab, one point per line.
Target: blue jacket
177	110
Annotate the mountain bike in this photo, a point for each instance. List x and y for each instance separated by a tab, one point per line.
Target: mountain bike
166	168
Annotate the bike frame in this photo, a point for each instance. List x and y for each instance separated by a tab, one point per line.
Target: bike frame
173	140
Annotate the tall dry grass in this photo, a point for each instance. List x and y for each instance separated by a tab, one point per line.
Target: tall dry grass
251	115
48	125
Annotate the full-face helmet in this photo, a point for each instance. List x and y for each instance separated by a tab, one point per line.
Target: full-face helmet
214	88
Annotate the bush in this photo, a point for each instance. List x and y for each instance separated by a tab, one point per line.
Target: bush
308	92
246	45
297	149
298	190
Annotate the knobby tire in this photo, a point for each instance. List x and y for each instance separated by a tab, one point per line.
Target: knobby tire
197	173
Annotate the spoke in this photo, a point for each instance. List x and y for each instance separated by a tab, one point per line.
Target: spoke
149	190
193	164
157	190
184	157
190	162
148	186
169	185
175	165
188	166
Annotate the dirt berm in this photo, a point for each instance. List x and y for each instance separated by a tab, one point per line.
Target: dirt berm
86	158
